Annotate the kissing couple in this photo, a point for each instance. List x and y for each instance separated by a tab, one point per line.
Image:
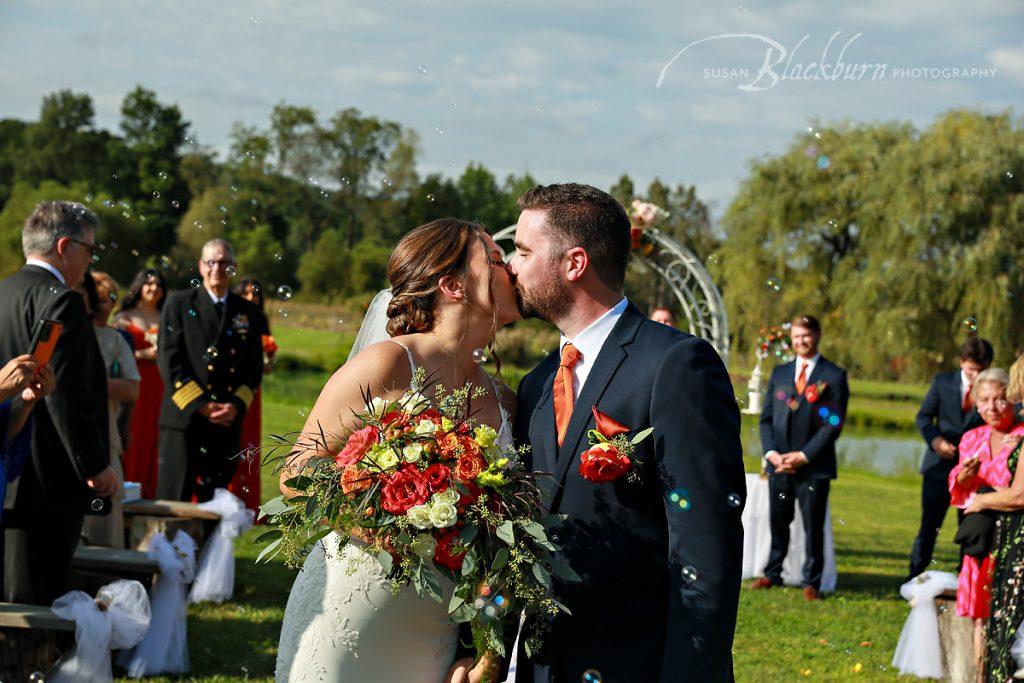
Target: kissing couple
659	551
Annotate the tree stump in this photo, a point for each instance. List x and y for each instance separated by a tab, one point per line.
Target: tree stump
956	634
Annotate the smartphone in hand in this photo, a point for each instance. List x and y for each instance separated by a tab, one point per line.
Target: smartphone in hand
44	340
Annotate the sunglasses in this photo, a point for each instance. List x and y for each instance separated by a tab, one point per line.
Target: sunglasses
90	247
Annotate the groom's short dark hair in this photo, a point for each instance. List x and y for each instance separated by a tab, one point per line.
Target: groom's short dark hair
584	216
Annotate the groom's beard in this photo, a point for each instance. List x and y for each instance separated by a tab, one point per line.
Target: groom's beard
549	301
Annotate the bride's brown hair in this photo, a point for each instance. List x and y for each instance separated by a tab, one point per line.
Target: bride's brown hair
421	259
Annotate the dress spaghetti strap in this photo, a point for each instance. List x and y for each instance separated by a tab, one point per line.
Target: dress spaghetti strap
412	364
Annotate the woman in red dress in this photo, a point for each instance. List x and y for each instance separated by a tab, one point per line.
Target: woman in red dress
140	316
246	482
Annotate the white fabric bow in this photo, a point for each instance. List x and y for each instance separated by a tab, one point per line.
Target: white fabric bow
1017	652
165	647
919	650
120	622
215	580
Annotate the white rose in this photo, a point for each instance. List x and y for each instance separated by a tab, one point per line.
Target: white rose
443	514
414	403
419	516
384	457
379	407
424	546
425	428
413	452
449	496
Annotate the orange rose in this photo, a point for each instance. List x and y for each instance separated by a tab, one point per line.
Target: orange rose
469	446
448	446
354	480
469	466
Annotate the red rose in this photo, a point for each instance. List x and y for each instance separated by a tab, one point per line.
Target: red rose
355	448
634	237
396	418
438	477
603	463
354	480
446	553
404	489
469	446
469	466
472	493
430	414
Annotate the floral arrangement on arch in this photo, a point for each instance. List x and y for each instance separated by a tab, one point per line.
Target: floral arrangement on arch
430	494
774	341
642	216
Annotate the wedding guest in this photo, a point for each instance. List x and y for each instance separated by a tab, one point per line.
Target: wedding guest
664	316
22	383
984	452
803	416
122	392
1007	605
140	316
211	360
946	413
246	482
69	472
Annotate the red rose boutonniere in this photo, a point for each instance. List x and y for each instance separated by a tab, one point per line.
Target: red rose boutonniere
814	391
608	457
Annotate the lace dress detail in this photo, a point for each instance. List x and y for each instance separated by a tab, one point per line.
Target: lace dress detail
343	625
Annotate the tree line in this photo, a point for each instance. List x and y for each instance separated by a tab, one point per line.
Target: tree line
902	240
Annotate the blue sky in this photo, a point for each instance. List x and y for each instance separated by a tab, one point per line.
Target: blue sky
567	91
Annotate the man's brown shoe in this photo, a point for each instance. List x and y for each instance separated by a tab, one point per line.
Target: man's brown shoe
811	594
761	584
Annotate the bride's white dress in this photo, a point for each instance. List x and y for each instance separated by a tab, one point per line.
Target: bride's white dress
343	624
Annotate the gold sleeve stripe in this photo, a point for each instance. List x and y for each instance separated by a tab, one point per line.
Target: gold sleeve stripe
186	394
244	393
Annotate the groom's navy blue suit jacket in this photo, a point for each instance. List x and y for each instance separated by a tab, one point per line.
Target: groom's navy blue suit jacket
661	579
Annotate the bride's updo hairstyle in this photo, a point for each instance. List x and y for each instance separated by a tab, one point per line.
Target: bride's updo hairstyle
421	259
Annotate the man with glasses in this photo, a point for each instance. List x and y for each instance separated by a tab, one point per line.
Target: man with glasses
69	472
211	361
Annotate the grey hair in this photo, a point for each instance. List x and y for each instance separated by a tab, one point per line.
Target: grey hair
50	221
218	242
991	376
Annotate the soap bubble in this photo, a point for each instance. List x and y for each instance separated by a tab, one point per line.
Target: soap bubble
175	204
680	498
824	162
689	574
283	312
97	505
970	323
195	283
773	285
232	271
734	500
284	292
592	676
422	69
479	355
211	354
156	194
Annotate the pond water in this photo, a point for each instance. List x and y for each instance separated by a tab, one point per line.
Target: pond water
888	453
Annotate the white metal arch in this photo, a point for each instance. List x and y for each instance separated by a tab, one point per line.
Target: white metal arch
690	282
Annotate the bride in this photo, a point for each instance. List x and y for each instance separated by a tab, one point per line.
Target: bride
450	294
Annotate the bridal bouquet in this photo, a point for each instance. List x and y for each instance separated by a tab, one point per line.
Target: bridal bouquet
430	494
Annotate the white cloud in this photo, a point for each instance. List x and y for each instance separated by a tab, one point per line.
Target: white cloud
1009	60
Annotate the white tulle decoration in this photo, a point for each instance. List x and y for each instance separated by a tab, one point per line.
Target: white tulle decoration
215	580
919	650
116	618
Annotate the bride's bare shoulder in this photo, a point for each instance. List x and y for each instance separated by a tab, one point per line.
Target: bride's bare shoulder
383	364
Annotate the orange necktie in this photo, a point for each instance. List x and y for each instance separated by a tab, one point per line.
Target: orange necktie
968	403
563	390
801	380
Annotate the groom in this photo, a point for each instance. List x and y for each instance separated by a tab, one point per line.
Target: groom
661	557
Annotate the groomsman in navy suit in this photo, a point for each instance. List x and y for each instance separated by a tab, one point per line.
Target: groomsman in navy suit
802	418
947	412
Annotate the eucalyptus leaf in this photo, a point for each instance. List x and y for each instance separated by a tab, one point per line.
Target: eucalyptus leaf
274	506
495	637
455	603
269	536
641	435
467	533
542	575
505	533
300	482
386	562
466	612
469	563
500	560
432	583
269	551
562	570
534	529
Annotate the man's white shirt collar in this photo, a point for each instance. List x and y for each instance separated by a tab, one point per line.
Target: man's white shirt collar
217	299
47	266
810	362
589	343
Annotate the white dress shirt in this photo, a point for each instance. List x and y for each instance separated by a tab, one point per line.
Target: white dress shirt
47	266
217	299
589	343
800	362
964	386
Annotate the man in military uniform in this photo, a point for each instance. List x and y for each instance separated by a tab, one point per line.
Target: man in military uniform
211	360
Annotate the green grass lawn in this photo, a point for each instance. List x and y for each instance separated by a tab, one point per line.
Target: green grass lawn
779	636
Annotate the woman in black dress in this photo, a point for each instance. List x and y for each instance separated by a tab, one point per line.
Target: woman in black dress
1007	555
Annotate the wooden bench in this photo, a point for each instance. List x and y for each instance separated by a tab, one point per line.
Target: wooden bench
32	639
92	567
956	634
143	518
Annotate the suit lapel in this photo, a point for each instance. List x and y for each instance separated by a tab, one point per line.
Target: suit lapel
609	359
208	317
544	418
